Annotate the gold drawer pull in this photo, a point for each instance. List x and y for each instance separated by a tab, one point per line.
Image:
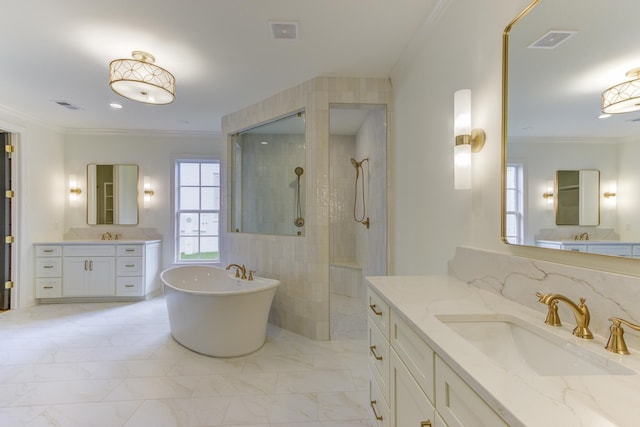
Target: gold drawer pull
48	251
129	250
375	414
375	310
48	266
130	265
425	423
129	286
373	351
48	287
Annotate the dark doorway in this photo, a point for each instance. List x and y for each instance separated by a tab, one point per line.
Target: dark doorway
5	222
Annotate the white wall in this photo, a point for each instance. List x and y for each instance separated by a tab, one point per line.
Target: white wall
154	154
628	196
462	49
38	208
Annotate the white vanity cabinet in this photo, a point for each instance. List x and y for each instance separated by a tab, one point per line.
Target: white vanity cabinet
102	270
48	271
421	389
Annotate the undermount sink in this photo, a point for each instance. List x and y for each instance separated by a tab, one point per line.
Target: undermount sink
519	347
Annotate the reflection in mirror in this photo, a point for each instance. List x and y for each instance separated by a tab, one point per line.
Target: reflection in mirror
268	177
559	58
112	194
578	197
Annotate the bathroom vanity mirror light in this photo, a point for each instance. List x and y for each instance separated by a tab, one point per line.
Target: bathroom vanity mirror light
267	177
112	194
551	104
467	140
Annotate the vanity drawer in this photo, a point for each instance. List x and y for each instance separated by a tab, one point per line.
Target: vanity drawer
129	250
129	266
415	353
378	406
48	251
616	249
378	312
129	286
575	247
458	404
379	357
89	250
49	287
48	267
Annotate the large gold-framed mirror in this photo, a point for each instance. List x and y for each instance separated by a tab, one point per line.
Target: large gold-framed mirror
559	56
112	194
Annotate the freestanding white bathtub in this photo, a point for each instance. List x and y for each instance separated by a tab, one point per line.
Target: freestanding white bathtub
214	313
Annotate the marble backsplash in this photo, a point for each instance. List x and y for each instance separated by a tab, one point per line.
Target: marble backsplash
518	279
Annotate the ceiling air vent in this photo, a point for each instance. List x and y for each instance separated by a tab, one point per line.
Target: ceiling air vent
552	39
67	105
284	30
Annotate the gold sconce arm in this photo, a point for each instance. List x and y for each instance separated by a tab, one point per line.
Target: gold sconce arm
616	343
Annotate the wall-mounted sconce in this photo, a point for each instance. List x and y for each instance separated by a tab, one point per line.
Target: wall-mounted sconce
74	190
548	196
468	140
609	194
148	192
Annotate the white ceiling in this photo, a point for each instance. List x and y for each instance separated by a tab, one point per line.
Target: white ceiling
220	51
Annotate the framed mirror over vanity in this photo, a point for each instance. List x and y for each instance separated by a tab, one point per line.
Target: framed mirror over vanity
112	194
564	63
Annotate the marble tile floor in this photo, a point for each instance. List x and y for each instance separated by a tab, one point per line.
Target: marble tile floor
116	364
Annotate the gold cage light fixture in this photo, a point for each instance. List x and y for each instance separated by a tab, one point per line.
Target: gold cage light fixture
623	97
139	79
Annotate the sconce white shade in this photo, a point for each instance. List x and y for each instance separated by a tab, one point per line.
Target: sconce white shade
74	190
462	112
148	192
462	166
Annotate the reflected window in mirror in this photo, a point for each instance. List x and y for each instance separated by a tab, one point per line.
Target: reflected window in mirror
514	198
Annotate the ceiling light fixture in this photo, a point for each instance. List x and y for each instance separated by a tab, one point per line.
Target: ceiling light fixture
623	97
139	79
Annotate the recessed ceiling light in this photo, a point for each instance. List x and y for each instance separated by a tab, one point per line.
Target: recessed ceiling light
115	106
284	30
264	142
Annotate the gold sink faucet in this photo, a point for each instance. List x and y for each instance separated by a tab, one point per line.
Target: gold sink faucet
616	343
239	268
580	311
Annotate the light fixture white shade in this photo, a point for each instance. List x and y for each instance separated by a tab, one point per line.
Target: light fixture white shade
148	192
139	79
462	166
462	112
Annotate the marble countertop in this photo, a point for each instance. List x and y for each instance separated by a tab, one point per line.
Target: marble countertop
99	242
588	242
520	398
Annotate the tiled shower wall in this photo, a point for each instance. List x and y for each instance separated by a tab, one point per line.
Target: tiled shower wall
342	176
268	170
301	263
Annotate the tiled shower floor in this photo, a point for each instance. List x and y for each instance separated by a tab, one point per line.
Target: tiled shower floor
115	364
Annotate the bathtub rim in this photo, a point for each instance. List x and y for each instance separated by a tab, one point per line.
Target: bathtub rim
265	283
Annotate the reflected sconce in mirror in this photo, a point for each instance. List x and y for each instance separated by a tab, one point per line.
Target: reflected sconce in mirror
548	196
148	192
74	190
623	97
468	140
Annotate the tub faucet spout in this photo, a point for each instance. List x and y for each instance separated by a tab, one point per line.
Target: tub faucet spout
239	268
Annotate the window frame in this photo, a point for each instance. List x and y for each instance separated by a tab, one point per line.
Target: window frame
178	211
519	211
